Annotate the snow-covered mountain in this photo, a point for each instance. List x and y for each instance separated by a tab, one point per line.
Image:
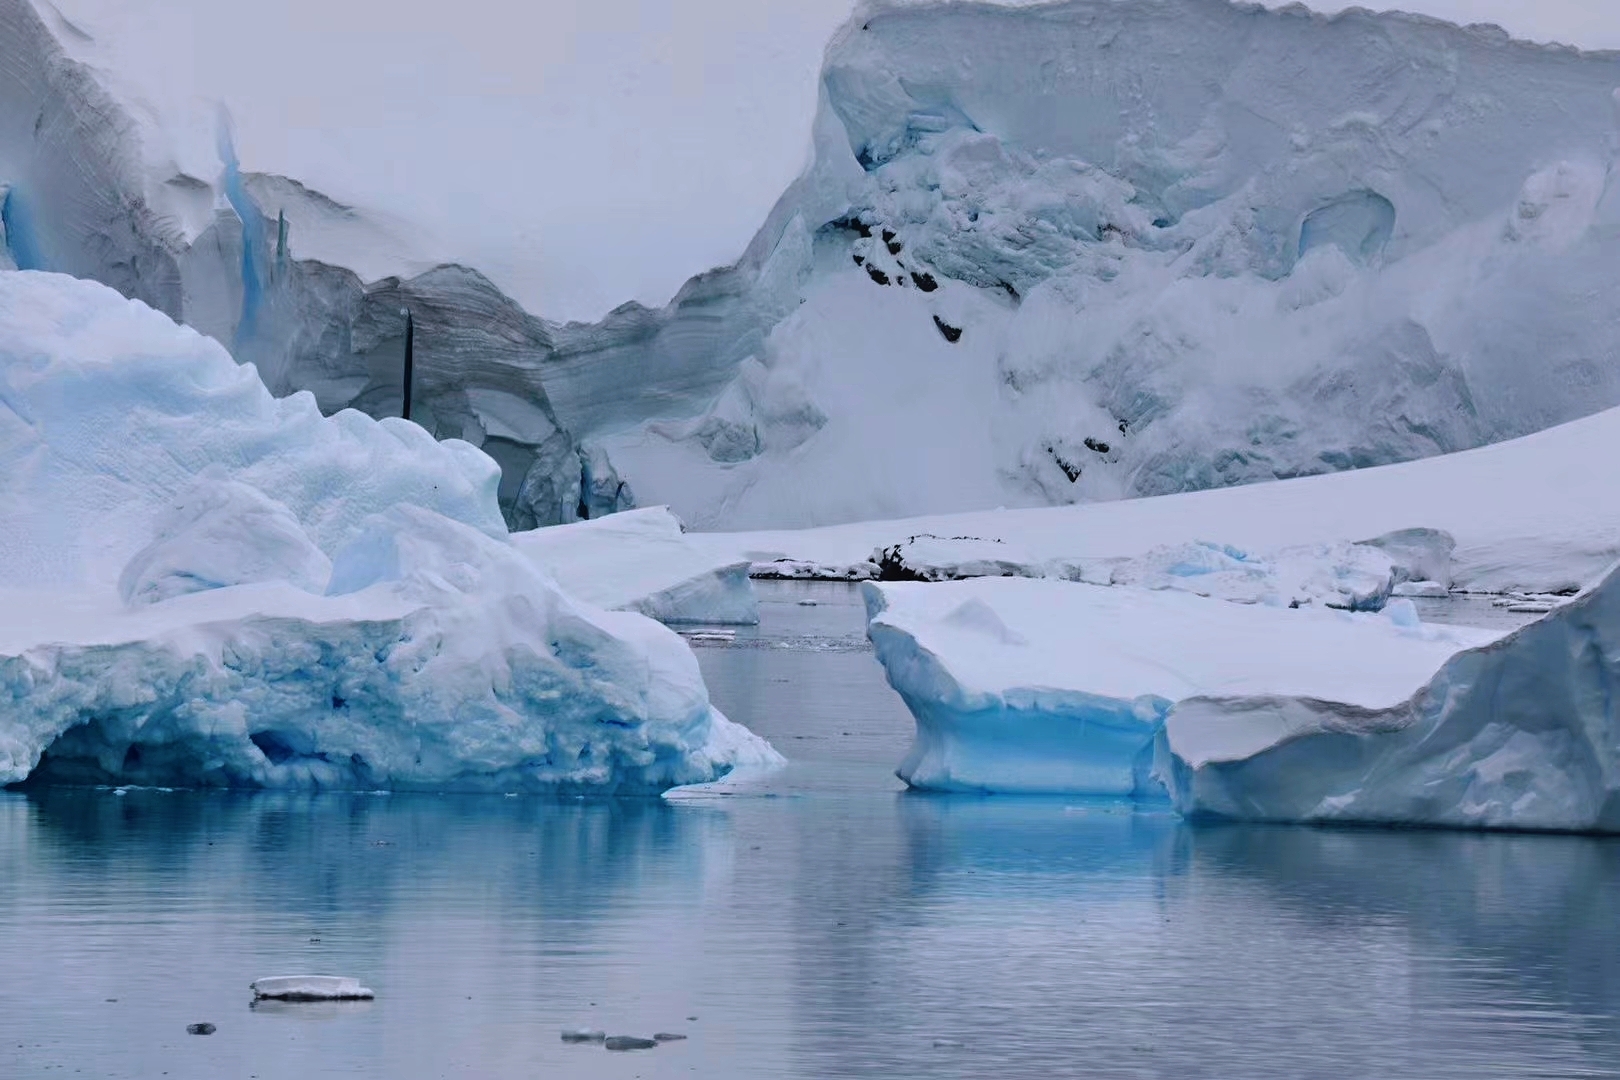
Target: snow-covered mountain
1042	255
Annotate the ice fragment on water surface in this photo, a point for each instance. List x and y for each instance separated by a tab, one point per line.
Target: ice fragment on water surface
311	988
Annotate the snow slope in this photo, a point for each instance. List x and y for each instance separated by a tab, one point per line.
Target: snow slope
1092	250
1042	254
641	560
202	584
1522	733
1057	687
1540	513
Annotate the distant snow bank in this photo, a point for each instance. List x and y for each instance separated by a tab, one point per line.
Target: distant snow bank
209	586
1538	514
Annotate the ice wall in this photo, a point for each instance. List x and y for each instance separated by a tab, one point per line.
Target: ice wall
1520	734
1163	246
1042	254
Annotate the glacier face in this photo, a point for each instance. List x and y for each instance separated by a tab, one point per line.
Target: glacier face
1089	250
208	585
1043	254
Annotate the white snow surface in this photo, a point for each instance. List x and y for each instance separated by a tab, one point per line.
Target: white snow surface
641	560
1522	733
1090	250
1029	686
167	615
1540	514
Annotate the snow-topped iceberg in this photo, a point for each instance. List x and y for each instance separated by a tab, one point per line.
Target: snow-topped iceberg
1522	733
1020	685
641	560
206	585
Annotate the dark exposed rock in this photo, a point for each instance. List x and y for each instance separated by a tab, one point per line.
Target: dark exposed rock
950	333
200	1029
877	275
628	1042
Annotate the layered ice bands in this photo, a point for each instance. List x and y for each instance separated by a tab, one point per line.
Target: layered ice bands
1523	733
206	585
1030	686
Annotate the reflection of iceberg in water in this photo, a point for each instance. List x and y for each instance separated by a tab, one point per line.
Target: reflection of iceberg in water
1143	946
342	854
819	935
1531	911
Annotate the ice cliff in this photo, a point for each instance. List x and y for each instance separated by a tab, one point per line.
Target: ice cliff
1091	249
204	584
1522	734
1042	254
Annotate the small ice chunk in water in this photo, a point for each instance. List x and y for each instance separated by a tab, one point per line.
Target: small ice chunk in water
628	1042
311	988
582	1034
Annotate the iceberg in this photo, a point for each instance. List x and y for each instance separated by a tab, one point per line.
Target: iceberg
1033	261
205	585
1520	733
641	560
1038	686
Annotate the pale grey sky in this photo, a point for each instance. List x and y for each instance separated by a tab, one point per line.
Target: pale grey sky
581	152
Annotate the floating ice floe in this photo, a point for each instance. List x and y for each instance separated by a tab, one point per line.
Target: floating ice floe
1258	713
310	988
641	560
203	585
1021	685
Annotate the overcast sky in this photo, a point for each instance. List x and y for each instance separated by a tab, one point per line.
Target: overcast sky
581	152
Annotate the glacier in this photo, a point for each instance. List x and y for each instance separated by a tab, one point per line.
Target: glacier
207	585
1176	244
1050	687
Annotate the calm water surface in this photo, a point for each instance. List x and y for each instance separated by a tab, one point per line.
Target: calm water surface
822	923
